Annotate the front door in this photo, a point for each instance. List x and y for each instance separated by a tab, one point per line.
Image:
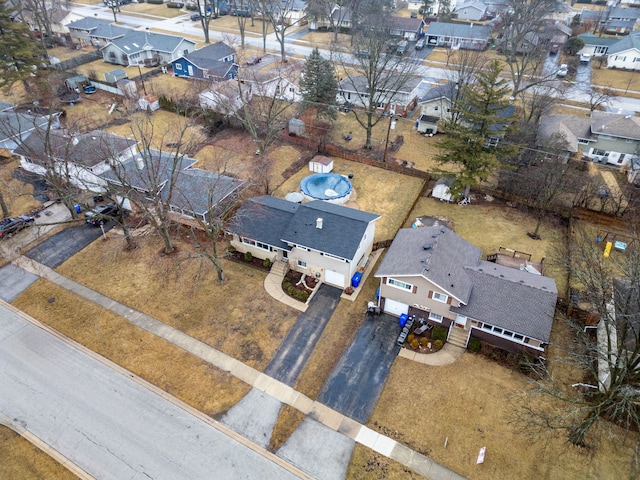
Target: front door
461	321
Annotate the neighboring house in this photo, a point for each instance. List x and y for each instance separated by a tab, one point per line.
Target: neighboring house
195	194
407	28
16	126
80	157
226	97
555	33
137	46
213	62
281	82
80	29
434	274
327	241
397	100
474	10
625	53
104	34
96	32
458	35
612	20
596	46
604	137
59	18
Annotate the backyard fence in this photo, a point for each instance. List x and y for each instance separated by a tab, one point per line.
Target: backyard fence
76	61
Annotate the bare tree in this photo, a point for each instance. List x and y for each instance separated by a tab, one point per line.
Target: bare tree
598	97
243	10
278	13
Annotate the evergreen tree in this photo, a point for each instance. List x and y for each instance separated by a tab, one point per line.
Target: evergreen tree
483	109
319	86
19	51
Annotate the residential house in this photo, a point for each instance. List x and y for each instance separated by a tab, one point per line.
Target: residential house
596	46
104	34
398	98
613	20
58	19
458	35
434	274
137	46
94	31
280	82
555	33
625	53
327	241
407	28
213	62
192	195
80	157
604	137
474	10
226	97
15	126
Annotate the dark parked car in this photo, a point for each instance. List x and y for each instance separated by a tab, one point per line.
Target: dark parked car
241	12
10	226
99	215
254	60
195	17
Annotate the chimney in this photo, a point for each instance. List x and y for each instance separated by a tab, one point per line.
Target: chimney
140	163
319	222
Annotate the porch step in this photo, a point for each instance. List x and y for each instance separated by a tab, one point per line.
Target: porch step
458	337
279	268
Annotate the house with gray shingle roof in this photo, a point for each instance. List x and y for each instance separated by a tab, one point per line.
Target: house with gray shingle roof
604	137
596	46
435	275
326	241
213	62
458	35
137	46
189	193
625	54
472	10
392	93
15	126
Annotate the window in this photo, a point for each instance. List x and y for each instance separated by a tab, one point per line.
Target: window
436	108
583	141
398	284
178	66
622	59
518	337
302	264
435	317
636	59
440	297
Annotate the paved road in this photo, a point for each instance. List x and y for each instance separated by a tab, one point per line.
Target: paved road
57	249
296	348
355	384
108	424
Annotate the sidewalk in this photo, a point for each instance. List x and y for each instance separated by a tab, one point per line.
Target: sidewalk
280	391
447	355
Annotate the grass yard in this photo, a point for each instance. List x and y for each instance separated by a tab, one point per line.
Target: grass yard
23	460
17	195
612	78
151	9
229	22
388	194
189	378
172	87
488	225
471	403
237	317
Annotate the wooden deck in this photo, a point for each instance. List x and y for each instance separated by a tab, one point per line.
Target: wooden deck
515	259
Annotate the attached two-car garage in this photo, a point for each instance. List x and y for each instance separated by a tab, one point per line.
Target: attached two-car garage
394	307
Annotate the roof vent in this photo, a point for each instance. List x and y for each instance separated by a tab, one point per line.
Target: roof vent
501	276
319	222
140	163
442	229
426	269
521	281
426	246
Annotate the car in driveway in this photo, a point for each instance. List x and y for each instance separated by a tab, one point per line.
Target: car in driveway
585	58
100	214
563	70
254	60
195	17
12	225
420	44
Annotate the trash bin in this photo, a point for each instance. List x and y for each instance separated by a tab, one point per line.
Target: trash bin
355	280
402	321
77	208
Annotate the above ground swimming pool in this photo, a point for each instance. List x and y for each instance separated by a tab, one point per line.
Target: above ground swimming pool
330	187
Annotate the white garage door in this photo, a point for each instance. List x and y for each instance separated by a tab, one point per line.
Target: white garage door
394	307
334	278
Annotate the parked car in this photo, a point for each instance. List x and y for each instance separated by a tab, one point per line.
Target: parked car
362	54
254	60
195	17
89	89
402	47
10	226
563	70
241	12
585	58
175	5
420	44
99	215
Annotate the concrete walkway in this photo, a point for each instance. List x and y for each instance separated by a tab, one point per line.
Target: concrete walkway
260	381
447	355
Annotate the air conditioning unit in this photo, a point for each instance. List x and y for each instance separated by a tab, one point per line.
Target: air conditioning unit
597	159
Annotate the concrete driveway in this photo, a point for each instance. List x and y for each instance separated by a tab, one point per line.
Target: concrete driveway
355	384
56	250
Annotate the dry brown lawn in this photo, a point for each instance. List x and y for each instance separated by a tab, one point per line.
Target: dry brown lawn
488	225
229	22
189	378
17	195
22	460
238	317
151	9
385	193
326	38
92	112
611	78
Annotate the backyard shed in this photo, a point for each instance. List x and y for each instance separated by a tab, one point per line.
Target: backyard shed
321	164
441	189
296	126
114	75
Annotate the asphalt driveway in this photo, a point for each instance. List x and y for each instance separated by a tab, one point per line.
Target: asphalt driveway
296	348
355	384
56	250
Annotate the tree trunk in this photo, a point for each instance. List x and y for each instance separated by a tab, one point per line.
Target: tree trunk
166	238
578	432
3	205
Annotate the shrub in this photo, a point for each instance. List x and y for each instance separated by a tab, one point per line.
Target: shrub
232	249
248	257
438	344
439	333
266	263
348	290
414	343
424	341
474	344
410	337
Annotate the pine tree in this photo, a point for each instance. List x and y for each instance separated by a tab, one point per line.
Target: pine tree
19	51
319	86
483	111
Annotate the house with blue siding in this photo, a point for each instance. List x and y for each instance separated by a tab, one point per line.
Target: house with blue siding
213	62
